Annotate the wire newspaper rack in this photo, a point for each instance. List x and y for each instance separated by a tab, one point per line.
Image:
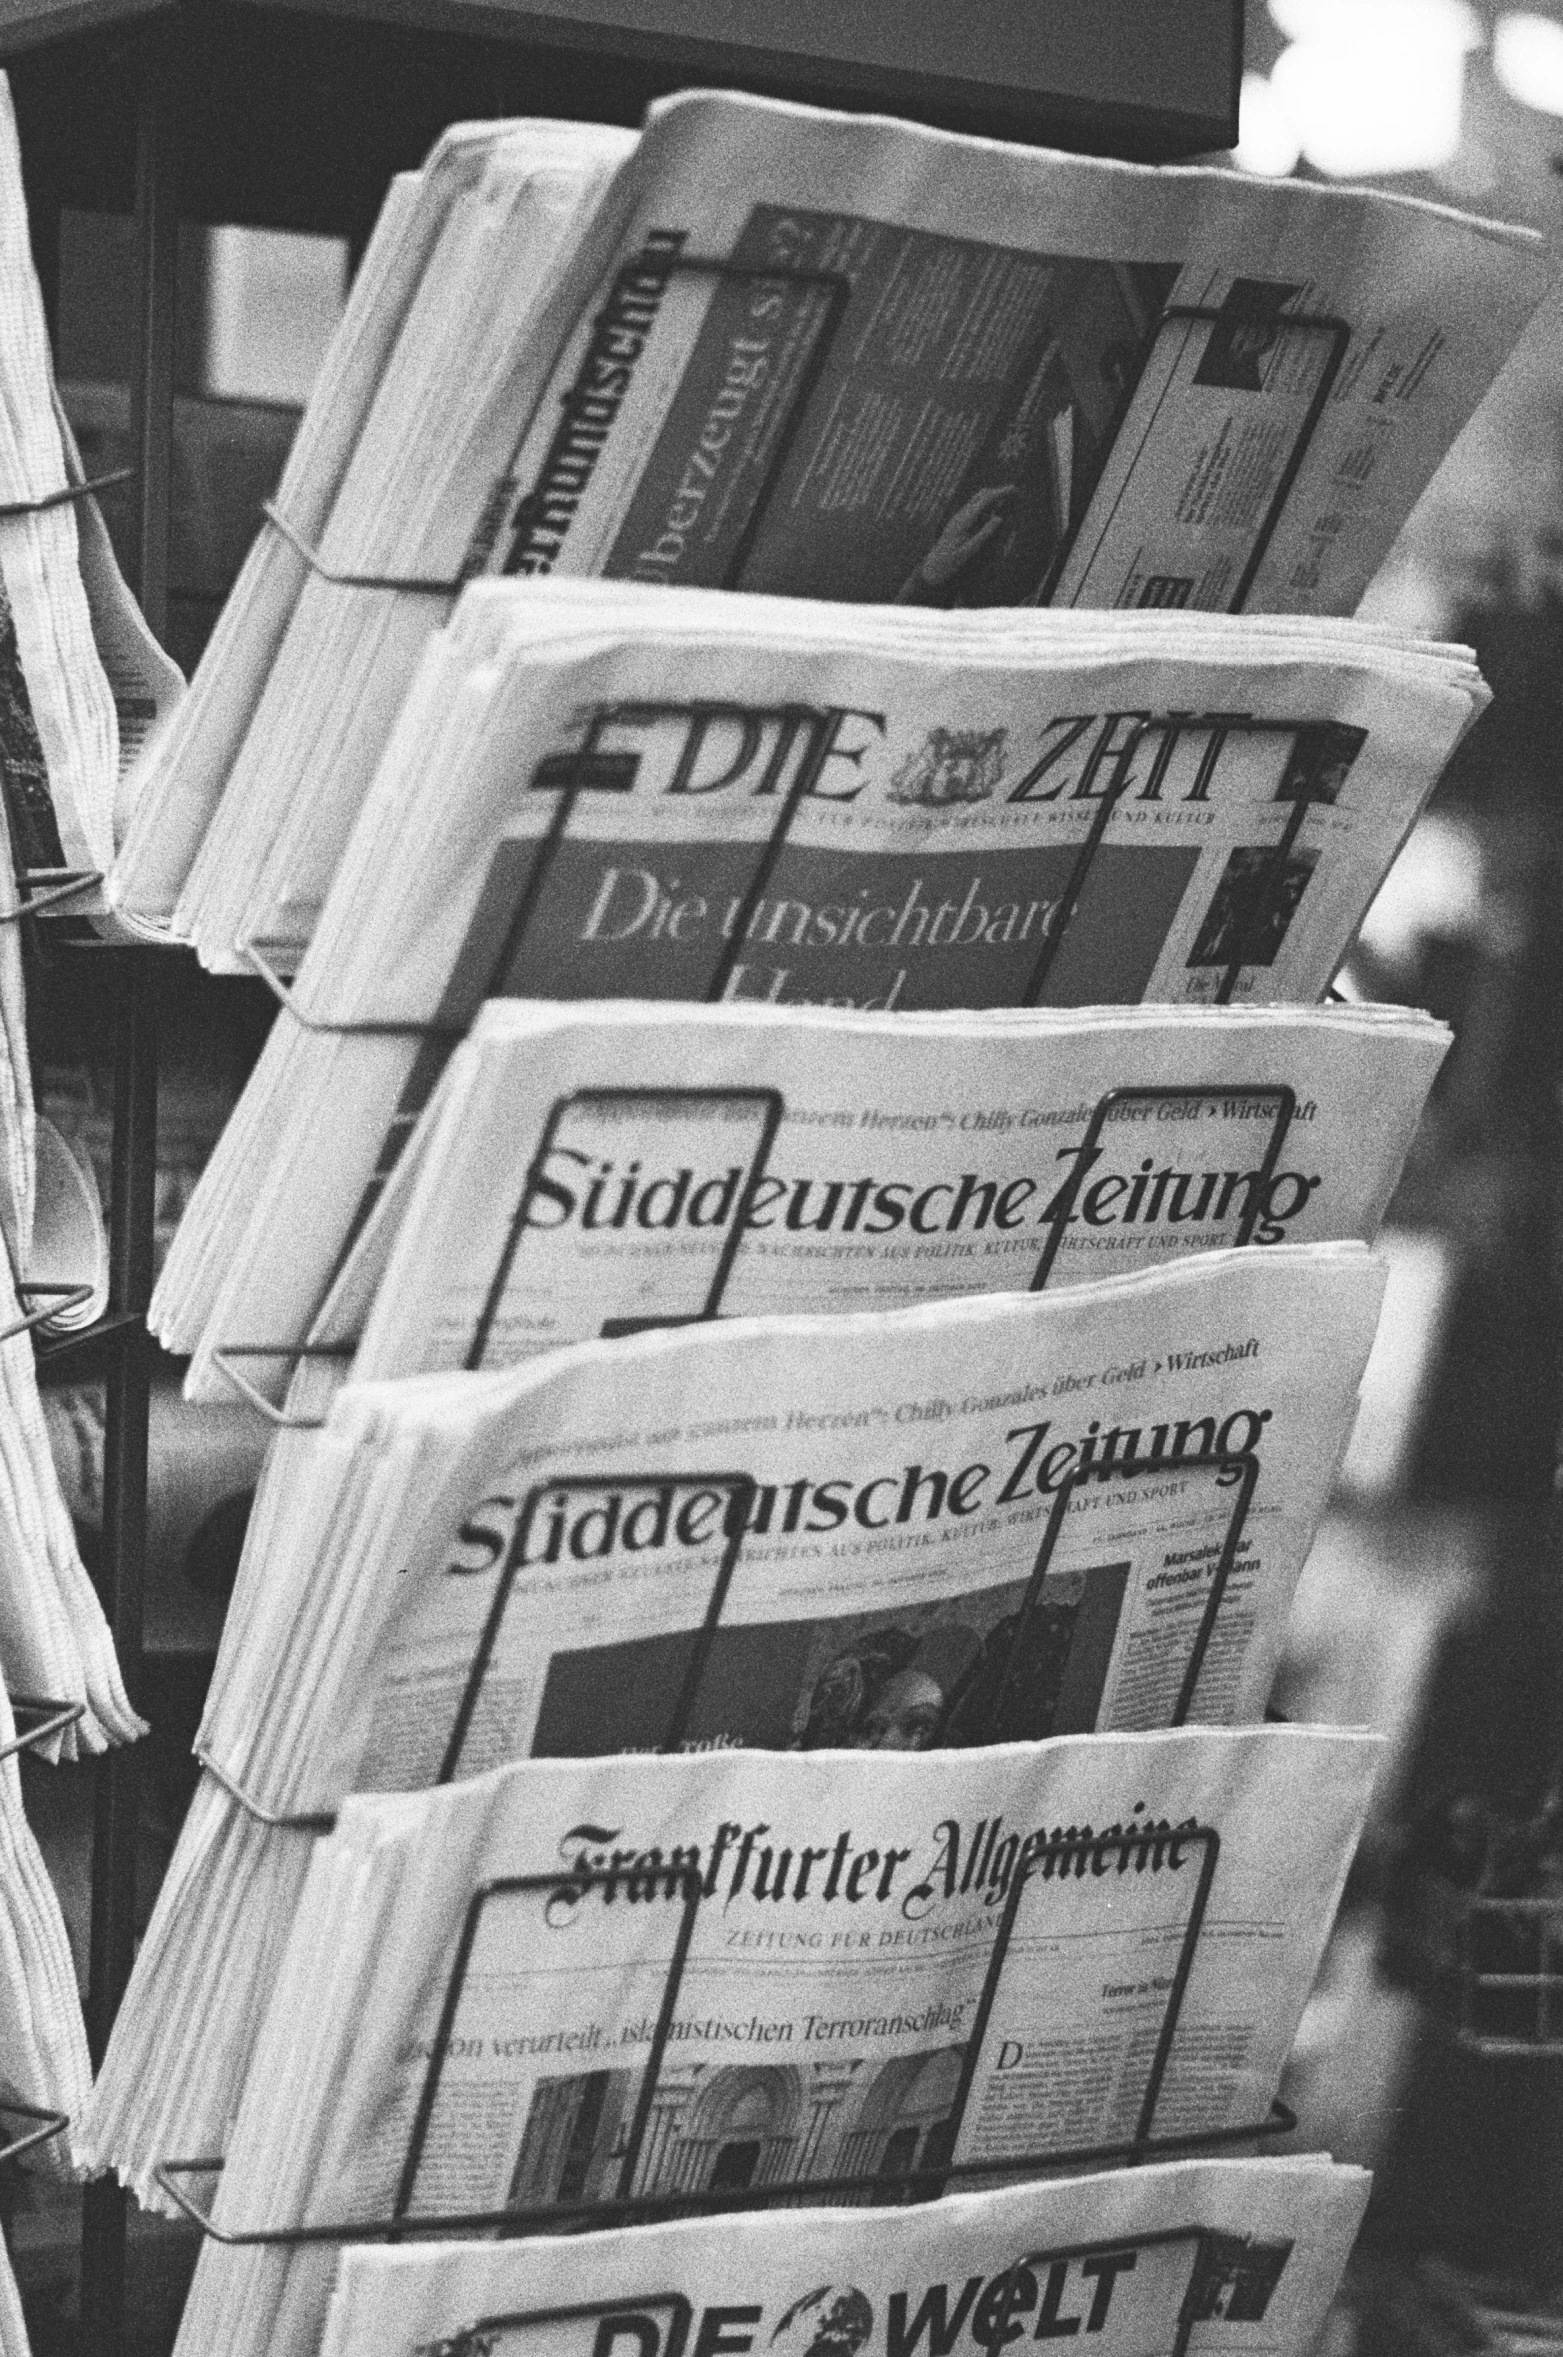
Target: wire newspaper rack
769	1108
116	1345
1115	1103
740	1490
633	2201
835	289
53	1719
46	2124
520	872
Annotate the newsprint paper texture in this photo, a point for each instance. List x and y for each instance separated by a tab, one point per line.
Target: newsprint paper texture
833	355
565	1527
585	1172
845	1925
1242	2256
938	1548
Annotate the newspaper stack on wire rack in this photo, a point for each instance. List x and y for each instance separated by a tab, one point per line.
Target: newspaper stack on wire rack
746	805
82	681
593	1170
772	349
573	1982
54	1640
562	1983
1192	2256
980	1521
760	739
44	2071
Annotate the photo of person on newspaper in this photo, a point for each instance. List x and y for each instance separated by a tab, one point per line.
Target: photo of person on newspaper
897	415
1000	1670
1005	541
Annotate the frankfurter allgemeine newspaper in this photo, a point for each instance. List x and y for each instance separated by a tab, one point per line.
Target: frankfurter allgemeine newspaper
473	2006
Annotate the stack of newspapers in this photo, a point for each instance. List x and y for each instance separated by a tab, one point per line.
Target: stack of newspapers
43	2046
682	796
1215	2255
765	348
81	681
992	1519
802	1206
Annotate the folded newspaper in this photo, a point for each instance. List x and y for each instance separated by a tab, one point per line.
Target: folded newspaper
569	1981
687	772
583	1169
990	1519
601	1169
82	680
769	348
1206	2257
55	1642
930	874
43	2042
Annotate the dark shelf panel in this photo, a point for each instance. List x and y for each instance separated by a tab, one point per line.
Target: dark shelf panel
297	118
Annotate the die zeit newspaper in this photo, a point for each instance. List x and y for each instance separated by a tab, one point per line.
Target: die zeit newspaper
909	871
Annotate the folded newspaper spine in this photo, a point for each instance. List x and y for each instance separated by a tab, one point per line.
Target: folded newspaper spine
1197	2256
979	1520
574	1981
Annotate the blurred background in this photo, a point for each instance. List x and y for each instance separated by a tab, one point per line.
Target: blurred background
1434	2045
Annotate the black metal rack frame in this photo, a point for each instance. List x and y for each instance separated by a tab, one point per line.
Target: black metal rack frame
1059	1856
